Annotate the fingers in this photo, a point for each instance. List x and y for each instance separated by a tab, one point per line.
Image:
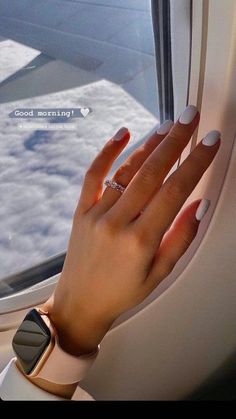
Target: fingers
166	204
94	178
176	242
150	177
130	167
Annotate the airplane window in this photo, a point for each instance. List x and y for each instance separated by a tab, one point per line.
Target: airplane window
71	74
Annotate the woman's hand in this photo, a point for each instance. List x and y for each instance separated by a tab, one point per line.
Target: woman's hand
121	245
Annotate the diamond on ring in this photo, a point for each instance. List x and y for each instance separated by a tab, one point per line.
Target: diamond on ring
114	185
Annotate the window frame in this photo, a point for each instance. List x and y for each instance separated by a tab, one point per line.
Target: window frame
38	282
161	17
202	39
201	323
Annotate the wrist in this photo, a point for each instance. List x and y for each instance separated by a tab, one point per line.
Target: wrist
44	361
78	335
77	340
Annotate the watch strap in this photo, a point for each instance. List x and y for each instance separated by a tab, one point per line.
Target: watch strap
63	368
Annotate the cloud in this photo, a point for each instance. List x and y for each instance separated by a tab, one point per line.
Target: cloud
41	173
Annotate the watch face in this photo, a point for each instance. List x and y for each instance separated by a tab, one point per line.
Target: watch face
31	340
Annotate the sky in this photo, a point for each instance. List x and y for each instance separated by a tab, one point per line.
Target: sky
41	172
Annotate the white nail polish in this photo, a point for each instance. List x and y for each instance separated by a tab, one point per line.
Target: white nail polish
202	209
120	134
211	138
165	127
188	115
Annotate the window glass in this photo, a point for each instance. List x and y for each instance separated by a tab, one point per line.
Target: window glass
61	54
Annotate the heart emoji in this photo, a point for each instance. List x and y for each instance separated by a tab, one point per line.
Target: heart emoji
84	111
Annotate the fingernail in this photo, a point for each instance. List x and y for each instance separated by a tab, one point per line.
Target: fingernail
188	115
211	138
202	209
165	127
121	133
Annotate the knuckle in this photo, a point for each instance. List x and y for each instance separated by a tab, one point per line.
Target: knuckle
105	225
142	238
93	172
122	173
90	173
97	164
148	173
188	235
187	239
105	152
165	268
198	162
176	138
174	189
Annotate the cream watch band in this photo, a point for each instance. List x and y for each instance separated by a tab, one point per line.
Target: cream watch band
60	367
63	368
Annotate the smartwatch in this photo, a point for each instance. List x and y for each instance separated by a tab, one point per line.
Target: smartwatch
39	354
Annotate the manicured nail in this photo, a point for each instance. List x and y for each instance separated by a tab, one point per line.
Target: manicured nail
165	127
211	138
188	115
121	133
202	209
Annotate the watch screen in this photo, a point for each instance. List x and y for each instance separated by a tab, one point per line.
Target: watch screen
31	340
